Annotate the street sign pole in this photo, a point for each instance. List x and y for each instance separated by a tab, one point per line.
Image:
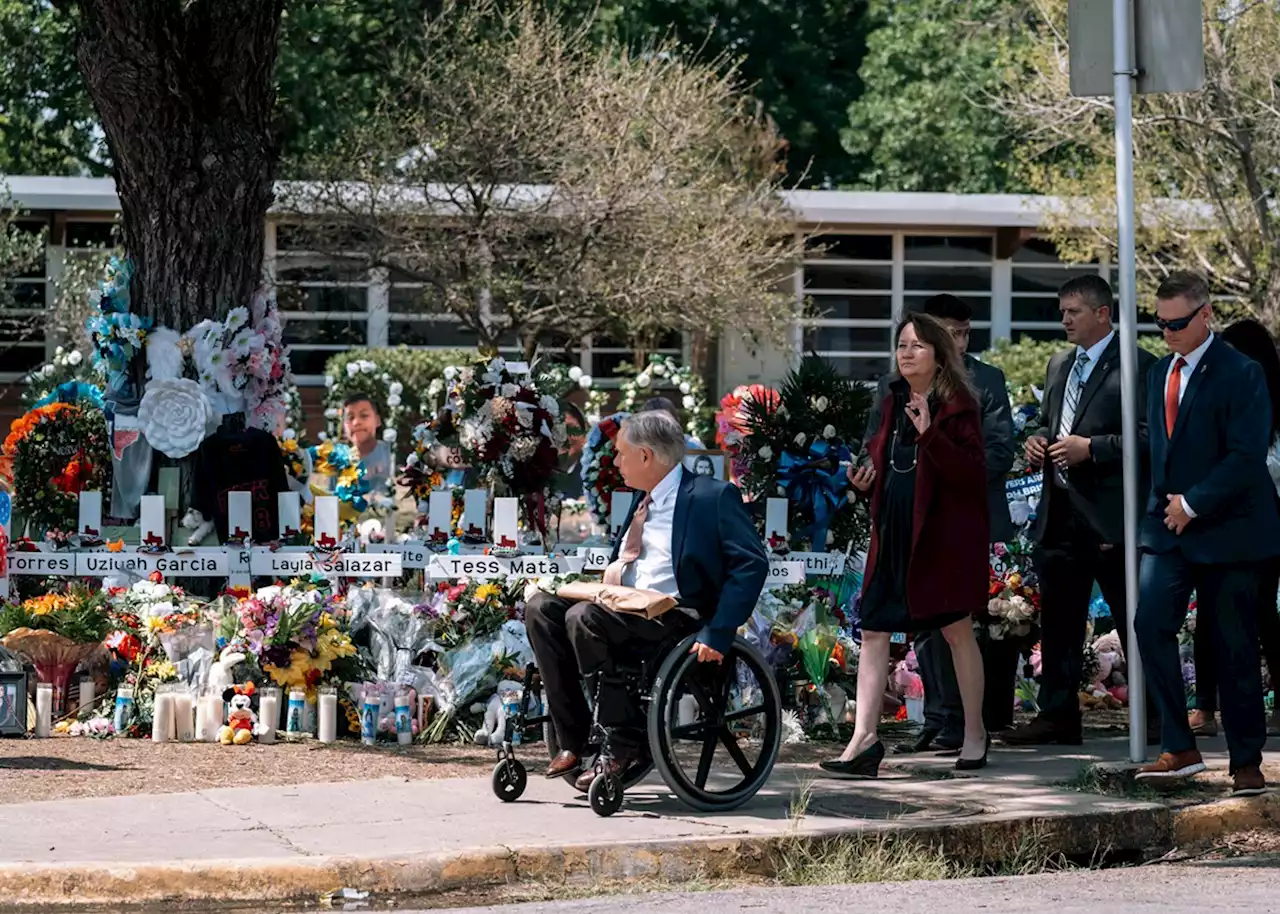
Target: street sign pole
1124	74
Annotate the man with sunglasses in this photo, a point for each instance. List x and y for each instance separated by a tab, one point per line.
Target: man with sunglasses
1210	522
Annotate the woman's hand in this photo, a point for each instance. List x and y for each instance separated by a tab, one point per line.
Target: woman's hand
862	478
918	412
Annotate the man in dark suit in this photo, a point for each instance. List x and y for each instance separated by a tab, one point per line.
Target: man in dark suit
943	715
689	537
1210	523
1079	523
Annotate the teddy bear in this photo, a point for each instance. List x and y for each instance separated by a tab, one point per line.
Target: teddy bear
195	521
241	721
220	673
495	716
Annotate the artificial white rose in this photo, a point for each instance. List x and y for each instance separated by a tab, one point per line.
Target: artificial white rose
393	401
174	416
575	373
74	357
329	380
57	350
801	438
829	431
450	373
659	369
368	367
585	382
643	380
396	389
323	436
353	369
389	435
689	402
434	388
386	378
686	388
821	404
331	412
765	453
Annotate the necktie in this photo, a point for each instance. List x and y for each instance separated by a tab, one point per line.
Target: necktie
631	545
1172	395
1070	403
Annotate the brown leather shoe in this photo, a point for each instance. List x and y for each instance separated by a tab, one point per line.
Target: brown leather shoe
1042	732
1202	724
564	763
617	767
1172	766
1248	782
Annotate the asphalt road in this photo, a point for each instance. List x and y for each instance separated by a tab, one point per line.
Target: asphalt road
1236	885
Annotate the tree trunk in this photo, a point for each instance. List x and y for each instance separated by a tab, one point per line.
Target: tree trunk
185	93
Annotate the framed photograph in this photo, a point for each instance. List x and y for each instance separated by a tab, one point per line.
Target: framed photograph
13	704
706	463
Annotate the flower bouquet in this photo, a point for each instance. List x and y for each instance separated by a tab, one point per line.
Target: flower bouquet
56	452
471	610
161	632
731	422
600	474
342	464
509	431
1014	593
242	363
56	632
293	635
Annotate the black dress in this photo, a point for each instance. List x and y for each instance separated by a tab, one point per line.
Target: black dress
884	603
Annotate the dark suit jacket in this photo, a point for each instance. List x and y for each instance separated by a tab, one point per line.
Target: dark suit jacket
1095	487
949	569
1217	460
720	559
997	438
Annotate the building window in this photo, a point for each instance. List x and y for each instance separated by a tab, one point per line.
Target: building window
22	323
848	287
324	301
958	265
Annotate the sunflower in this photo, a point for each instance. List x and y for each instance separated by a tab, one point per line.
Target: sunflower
487	592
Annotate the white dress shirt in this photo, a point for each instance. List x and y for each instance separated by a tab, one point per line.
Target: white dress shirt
1190	360
1094	353
655	568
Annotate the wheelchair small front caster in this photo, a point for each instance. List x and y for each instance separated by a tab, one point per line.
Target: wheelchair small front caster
605	795
509	780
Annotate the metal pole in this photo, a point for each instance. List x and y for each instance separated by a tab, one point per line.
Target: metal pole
1124	74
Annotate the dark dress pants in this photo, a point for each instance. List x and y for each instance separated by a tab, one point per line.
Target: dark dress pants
572	641
1268	634
943	710
1070	559
1226	597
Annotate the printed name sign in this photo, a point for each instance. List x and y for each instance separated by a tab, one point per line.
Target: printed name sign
596	558
487	567
820	564
42	563
211	564
285	564
412	555
781	573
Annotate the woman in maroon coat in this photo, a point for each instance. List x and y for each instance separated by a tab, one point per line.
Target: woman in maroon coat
928	564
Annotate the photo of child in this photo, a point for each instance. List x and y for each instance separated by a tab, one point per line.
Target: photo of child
361	426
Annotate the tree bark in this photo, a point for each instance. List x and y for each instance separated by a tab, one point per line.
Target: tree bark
185	92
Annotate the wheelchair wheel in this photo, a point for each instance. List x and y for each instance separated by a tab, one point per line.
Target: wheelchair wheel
509	780
735	713
605	795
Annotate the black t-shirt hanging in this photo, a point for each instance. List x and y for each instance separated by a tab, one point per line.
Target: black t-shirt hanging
243	461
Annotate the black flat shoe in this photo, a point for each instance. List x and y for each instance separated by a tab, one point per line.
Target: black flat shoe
974	764
866	764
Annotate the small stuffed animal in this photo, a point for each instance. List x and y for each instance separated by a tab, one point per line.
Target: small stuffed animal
194	520
241	721
220	675
495	716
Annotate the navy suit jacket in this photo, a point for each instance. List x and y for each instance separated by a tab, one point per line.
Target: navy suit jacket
720	559
1216	459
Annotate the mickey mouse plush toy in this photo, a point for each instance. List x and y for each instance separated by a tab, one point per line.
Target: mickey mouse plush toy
241	721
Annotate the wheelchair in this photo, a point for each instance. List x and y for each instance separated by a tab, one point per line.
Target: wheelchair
693	712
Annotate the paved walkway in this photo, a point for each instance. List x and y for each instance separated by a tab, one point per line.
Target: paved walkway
396	816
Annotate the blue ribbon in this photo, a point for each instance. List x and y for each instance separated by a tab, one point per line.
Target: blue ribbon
816	479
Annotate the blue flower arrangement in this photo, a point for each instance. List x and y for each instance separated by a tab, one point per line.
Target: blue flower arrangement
117	334
341	462
76	392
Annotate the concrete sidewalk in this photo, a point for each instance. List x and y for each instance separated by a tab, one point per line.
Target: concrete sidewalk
277	843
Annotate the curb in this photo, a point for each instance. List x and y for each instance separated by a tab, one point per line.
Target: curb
1213	820
307	878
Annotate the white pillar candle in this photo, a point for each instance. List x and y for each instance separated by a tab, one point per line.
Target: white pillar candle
44	709
268	715
328	712
162	722
404	724
86	693
208	717
183	710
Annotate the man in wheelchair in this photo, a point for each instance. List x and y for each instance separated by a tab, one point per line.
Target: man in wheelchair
687	536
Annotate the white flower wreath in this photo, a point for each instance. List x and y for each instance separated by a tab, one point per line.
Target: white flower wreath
664	374
175	416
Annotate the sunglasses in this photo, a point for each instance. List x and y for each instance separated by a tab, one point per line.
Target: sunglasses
1178	323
